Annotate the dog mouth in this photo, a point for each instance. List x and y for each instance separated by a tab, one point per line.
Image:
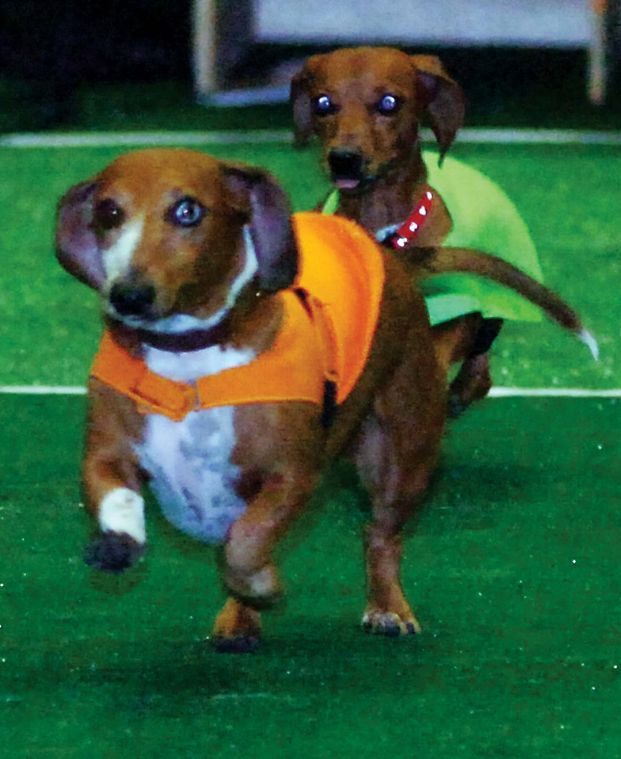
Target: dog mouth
346	169
354	174
134	304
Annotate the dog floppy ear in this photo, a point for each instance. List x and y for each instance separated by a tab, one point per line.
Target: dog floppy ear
257	193
299	99
76	244
441	100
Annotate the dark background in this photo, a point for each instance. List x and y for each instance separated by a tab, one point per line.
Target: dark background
53	48
53	55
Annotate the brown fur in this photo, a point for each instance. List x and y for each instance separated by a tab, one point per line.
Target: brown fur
391	424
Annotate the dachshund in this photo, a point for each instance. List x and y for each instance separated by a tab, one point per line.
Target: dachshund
366	105
231	370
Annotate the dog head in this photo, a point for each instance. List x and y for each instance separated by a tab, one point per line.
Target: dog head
365	105
171	237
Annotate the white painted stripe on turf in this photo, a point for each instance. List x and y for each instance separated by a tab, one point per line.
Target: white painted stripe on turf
126	139
266	136
42	390
552	392
538	137
495	392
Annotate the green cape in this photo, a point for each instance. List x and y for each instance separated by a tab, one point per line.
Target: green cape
485	219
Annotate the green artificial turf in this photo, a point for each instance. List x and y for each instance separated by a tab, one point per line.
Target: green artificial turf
512	568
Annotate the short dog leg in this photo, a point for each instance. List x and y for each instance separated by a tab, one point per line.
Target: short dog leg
396	456
112	489
387	611
248	570
397	486
237	628
453	340
473	382
122	538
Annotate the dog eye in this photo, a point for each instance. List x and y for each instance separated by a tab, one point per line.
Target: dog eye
388	105
187	212
107	214
323	105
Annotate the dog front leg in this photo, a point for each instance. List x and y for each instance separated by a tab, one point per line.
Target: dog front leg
121	541
112	483
247	567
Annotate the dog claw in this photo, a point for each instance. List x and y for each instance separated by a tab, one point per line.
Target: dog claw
113	552
389	624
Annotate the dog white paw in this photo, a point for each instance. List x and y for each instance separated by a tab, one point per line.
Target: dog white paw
122	511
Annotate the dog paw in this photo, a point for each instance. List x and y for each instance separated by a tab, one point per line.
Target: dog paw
456	406
113	552
390	624
239	644
237	629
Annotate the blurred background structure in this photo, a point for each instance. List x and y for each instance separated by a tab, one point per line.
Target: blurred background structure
222	38
136	62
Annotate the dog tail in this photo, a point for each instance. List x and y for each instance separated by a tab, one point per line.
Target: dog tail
467	260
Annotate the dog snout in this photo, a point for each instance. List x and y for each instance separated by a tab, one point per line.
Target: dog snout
345	165
132	298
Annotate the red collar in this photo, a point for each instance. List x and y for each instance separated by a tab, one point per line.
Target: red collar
414	222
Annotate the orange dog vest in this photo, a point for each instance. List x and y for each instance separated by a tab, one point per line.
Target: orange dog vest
330	317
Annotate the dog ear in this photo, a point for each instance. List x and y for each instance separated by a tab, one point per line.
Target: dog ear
299	99
76	244
259	195
441	100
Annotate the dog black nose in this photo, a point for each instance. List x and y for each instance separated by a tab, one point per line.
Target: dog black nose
130	299
345	163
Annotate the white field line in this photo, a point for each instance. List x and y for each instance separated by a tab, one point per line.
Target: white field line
126	139
495	392
42	390
552	392
538	137
267	136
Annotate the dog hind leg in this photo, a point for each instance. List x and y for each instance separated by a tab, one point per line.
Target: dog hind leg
473	381
396	455
452	340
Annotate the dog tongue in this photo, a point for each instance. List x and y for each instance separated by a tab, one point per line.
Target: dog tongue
347	184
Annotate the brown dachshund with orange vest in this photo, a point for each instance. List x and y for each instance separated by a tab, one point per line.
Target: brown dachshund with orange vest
366	105
243	349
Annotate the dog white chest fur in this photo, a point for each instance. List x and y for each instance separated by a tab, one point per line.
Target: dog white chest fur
192	474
